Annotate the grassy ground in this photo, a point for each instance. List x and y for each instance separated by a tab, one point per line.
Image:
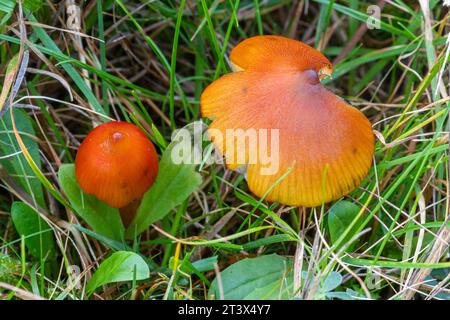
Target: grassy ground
154	62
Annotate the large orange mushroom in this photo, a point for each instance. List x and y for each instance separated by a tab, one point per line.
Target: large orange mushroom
325	144
117	163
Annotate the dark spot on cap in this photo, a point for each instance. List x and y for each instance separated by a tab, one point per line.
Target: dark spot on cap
146	172
117	136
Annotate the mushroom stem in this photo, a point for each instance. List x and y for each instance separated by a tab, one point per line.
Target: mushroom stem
128	212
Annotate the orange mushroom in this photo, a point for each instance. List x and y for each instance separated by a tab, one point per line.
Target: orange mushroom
117	163
325	144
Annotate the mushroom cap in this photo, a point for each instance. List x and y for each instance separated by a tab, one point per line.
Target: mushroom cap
117	163
325	144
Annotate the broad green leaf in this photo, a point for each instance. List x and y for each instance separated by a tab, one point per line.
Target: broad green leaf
101	218
275	290
174	183
38	234
120	266
206	264
12	158
340	295
327	283
340	217
265	277
331	282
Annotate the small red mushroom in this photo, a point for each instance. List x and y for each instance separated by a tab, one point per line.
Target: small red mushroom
117	163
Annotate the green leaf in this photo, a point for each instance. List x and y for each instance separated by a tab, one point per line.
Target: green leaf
275	290
120	266
202	265
174	183
7	6
102	218
265	277
340	217
12	158
331	282
38	234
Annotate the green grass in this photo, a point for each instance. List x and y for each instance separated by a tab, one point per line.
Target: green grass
147	63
